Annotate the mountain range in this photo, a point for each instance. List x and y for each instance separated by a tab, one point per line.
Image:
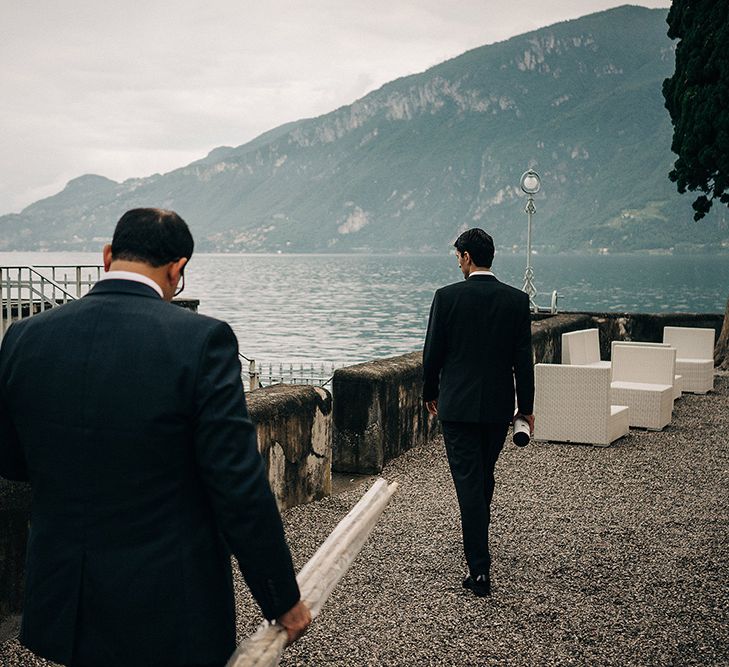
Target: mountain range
408	166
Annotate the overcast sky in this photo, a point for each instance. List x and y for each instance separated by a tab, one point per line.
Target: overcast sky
130	88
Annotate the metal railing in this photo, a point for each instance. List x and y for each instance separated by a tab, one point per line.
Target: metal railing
28	290
313	374
25	291
79	278
253	379
263	375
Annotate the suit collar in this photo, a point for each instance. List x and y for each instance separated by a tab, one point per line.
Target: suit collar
482	278
117	286
135	276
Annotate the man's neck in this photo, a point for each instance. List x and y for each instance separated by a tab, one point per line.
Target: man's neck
134	267
133	276
155	274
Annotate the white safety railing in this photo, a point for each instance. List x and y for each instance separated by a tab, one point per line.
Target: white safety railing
313	374
25	291
28	290
76	278
263	375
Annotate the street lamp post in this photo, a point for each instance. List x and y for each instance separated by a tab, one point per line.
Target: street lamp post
530	184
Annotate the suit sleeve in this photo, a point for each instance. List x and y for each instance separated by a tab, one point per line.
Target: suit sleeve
434	350
233	472
12	459
523	360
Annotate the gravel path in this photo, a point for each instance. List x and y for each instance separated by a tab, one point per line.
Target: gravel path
613	556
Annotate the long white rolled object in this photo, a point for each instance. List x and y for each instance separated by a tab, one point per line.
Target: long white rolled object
320	575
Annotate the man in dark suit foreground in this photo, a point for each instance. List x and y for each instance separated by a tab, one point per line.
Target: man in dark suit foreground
127	415
477	346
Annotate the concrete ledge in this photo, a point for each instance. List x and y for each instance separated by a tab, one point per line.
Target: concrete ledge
294	426
378	412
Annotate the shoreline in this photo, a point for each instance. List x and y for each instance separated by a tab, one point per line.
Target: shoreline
500	251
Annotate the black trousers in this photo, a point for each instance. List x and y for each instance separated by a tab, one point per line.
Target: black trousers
472	450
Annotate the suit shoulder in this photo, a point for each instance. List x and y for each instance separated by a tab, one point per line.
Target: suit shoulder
194	321
513	292
452	289
186	315
44	318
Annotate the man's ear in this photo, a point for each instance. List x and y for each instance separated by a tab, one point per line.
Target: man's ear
175	269
106	253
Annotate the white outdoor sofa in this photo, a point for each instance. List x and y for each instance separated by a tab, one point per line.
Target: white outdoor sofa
677	379
694	356
642	378
572	404
582	348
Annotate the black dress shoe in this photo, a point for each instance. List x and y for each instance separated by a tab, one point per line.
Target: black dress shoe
480	585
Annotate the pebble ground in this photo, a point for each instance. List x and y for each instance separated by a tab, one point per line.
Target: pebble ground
602	556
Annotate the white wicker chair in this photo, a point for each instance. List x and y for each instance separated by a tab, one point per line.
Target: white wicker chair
694	356
582	348
677	379
572	404
643	380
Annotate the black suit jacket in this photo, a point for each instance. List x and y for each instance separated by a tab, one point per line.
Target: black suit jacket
128	417
478	343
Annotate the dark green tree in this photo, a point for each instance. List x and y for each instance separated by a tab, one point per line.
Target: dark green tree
697	97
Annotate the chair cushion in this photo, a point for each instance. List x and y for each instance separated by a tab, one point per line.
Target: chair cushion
642	386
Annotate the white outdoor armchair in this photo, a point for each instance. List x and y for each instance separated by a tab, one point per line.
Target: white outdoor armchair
572	404
582	348
677	379
642	378
694	356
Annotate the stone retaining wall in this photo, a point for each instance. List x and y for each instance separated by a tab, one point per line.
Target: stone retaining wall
294	426
378	412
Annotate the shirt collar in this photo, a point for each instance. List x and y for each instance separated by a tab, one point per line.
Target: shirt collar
136	277
481	273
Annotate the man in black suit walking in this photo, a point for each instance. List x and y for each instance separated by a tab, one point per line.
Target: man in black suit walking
477	347
127	415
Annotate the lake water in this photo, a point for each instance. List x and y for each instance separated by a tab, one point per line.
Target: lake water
344	309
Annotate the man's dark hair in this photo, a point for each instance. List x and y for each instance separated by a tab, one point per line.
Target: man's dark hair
479	245
151	235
